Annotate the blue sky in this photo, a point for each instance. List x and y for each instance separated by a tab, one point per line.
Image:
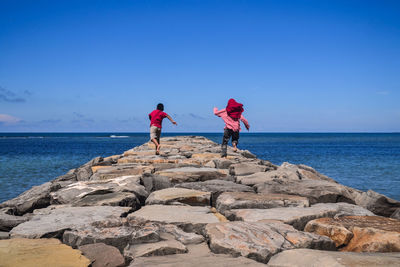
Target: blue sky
297	66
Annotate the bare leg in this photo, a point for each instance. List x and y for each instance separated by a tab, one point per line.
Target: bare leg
234	147
154	140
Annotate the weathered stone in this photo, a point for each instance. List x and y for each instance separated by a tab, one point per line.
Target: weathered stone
255	178
377	203
295	216
102	255
312	257
182	195
190	219
259	241
4	235
53	222
154	249
198	255
246	200
247	154
39	252
317	191
246	168
360	233
35	198
396	214
154	182
8	222
118	236
84	172
180	235
222	163
108	173
216	187
190	174
100	193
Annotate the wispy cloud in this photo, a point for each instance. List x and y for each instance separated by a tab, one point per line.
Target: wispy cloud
8	119
9	96
383	92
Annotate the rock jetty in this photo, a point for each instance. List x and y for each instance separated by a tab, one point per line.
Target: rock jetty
190	207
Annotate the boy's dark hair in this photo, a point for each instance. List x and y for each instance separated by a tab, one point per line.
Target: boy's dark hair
160	107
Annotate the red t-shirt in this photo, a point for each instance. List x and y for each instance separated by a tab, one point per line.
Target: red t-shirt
156	117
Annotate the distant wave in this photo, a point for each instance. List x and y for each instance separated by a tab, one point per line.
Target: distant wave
119	136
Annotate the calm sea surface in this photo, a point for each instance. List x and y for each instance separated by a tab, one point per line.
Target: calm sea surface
363	161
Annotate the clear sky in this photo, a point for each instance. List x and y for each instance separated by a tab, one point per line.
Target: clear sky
297	66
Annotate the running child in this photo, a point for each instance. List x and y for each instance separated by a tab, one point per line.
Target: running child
156	117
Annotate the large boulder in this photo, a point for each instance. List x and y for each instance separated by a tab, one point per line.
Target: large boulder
246	168
161	248
247	200
102	255
191	174
191	219
53	222
311	257
35	198
216	187
8	222
39	252
377	203
360	233
296	216
111	172
260	241
179	195
317	191
198	255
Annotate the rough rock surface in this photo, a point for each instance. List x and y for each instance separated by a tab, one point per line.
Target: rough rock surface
245	200
191	174
180	195
377	203
259	241
198	255
8	222
102	255
53	222
316	258
39	252
360	233
296	216
161	248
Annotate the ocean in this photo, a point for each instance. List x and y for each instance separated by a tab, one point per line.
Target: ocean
359	160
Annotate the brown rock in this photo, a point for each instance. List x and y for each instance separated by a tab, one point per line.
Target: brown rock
102	255
360	233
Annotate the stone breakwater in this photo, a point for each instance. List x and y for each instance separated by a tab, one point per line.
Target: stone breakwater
190	207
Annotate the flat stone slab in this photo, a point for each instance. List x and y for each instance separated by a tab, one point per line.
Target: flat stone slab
181	195
8	222
246	168
359	233
312	257
187	217
246	200
296	216
191	174
102	255
198	255
161	248
39	252
53	222
260	241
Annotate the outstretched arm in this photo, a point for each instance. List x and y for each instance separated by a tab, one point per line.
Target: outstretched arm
218	112
245	122
173	122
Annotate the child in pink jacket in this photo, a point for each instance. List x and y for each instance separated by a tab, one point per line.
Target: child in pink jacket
232	115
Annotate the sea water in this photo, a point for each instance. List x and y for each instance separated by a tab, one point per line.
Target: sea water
359	160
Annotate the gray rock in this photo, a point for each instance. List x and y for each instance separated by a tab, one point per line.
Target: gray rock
8	222
35	198
377	203
53	222
317	191
396	214
154	182
198	255
222	163
247	154
246	168
191	174
296	216
216	187
115	171
190	219
4	235
123	199
260	241
102	255
247	200
180	235
316	258
182	195
161	248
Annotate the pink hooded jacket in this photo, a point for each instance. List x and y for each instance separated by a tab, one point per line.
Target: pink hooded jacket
229	122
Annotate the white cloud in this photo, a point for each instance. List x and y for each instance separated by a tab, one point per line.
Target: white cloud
8	119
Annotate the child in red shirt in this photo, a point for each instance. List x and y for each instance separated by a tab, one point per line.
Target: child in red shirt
156	117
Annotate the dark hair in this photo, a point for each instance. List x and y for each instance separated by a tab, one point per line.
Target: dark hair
160	107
